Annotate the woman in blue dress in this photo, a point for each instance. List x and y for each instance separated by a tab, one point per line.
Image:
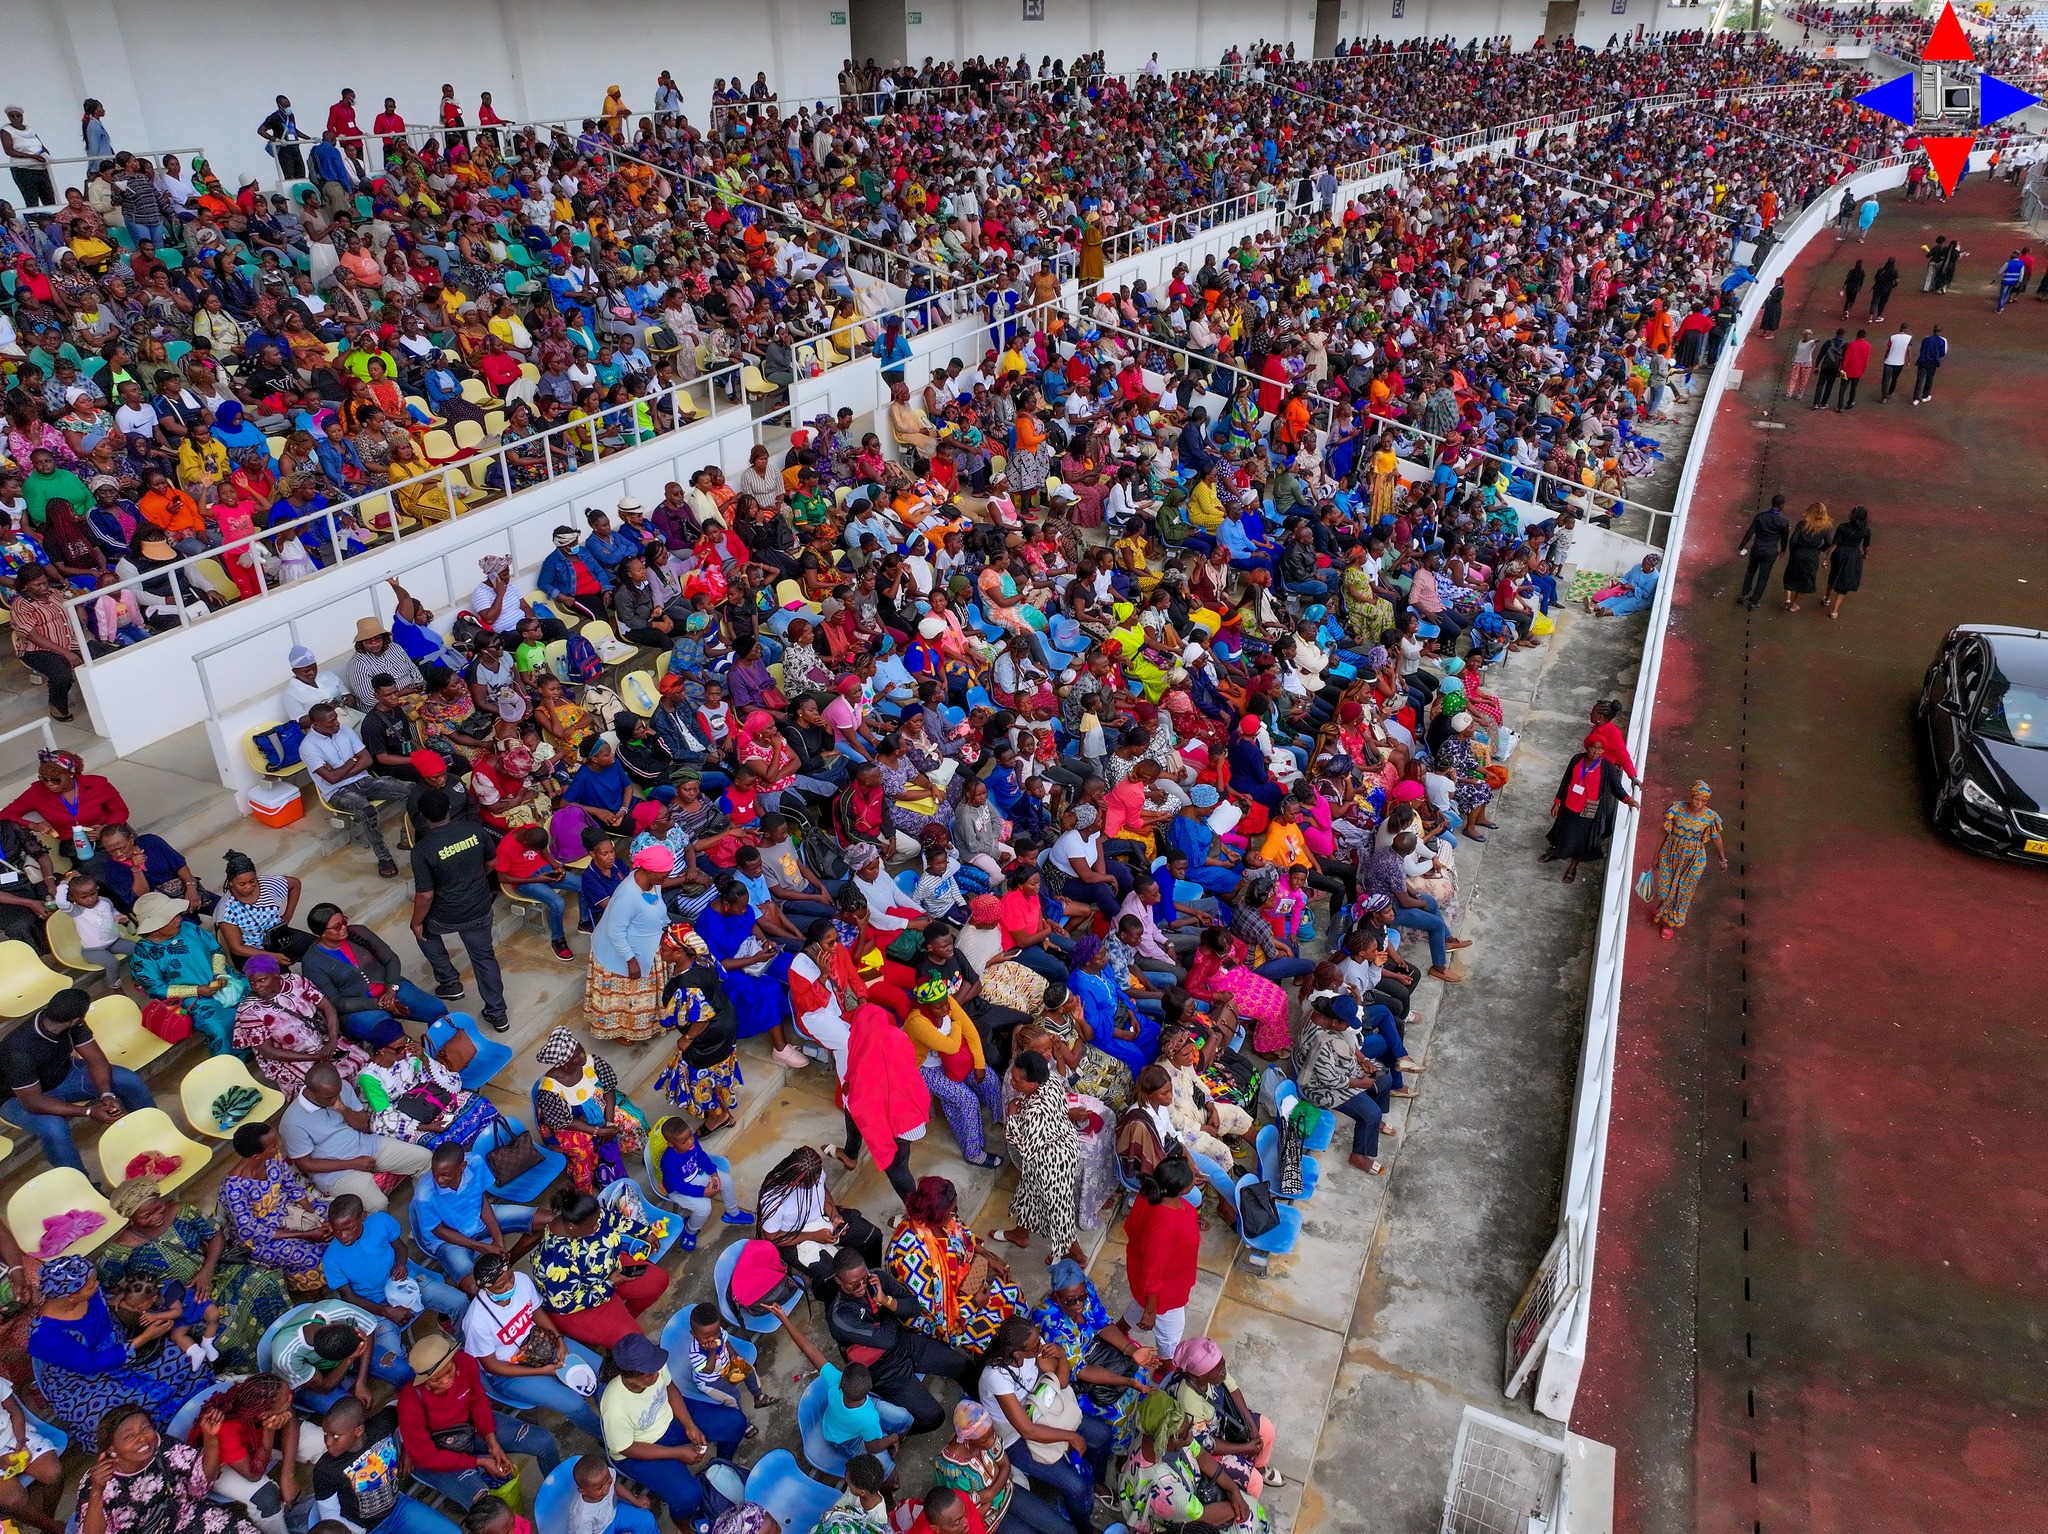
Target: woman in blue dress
85	1366
727	925
1115	1027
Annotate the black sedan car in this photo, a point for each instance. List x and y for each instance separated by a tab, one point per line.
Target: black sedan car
1984	707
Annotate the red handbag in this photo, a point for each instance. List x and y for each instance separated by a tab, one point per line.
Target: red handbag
169	1020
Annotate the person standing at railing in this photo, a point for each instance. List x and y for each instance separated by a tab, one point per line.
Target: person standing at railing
42	637
28	160
280	134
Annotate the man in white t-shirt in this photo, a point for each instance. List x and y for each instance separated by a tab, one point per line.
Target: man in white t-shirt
495	1332
1897	347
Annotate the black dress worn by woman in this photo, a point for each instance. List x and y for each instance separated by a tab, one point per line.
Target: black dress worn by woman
1581	835
1802	561
1845	560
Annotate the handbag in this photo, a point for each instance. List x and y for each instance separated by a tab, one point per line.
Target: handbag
458	1053
426	1103
1258	1212
513	1155
169	1020
1052	1405
1103	1355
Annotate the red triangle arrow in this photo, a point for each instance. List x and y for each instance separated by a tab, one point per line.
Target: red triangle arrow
1949	156
1948	45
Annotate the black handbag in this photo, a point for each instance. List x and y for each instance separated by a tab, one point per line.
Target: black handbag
1103	1355
1258	1212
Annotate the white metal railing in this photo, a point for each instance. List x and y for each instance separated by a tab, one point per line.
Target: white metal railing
375	514
10	189
1656	519
1586	1152
376	511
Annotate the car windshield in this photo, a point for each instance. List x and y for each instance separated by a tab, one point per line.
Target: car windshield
2014	713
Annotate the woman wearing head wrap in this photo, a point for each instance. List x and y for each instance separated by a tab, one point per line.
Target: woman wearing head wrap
1224	1426
1163	1482
761	747
85	1366
63	796
252	908
952	1059
1112	1024
1111	1371
1690	828
288	1026
579	1108
165	1241
966	1292
622	992
1584	807
704	1071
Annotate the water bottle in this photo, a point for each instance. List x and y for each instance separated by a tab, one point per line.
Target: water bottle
81	845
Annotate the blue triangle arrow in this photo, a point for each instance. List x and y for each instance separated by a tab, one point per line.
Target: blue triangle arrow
1996	99
1894	99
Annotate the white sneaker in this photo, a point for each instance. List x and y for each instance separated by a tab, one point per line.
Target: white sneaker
792	1057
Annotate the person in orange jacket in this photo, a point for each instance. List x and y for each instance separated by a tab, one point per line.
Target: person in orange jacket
165	506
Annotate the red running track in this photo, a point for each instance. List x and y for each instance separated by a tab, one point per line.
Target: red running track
1822	1295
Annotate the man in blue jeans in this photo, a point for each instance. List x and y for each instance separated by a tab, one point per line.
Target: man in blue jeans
367	1258
444	1406
455	1222
498	1332
1385	875
652	1437
54	1072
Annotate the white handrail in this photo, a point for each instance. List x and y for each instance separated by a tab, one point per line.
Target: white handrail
1586	1154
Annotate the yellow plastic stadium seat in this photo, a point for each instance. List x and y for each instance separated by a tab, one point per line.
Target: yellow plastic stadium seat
213	574
641	692
755	381
557	656
26	982
477	392
116	1024
530	372
469	436
51	1195
150	1131
379	514
65	948
494	423
419	403
207	1080
440	447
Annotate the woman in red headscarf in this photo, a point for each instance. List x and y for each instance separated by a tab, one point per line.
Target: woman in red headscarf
762	748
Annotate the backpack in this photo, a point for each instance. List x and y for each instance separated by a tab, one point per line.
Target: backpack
583	662
280	745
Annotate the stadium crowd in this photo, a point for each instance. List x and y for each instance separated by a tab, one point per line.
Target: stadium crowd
1150	651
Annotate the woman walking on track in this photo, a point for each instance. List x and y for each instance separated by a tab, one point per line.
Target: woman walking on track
1811	538
1845	559
1802	366
1689	829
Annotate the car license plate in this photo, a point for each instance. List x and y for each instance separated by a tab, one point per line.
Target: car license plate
2037	846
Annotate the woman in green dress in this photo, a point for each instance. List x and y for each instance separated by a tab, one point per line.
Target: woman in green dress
1690	828
164	1240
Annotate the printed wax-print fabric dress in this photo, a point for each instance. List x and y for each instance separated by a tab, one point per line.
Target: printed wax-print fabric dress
256	1211
250	1296
169	1495
1683	860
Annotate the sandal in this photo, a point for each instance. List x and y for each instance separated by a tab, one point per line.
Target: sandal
762	1403
1004	1238
387	869
988	1163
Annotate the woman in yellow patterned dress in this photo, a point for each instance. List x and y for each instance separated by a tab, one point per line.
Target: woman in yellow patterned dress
1689	829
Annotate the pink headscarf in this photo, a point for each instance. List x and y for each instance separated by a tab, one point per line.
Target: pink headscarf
1197	1355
